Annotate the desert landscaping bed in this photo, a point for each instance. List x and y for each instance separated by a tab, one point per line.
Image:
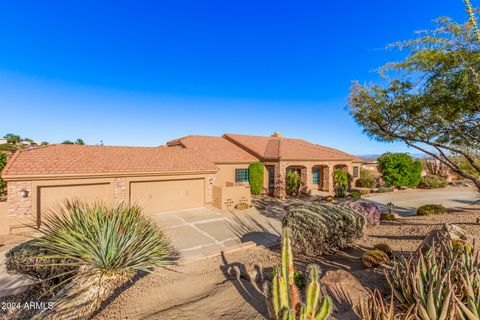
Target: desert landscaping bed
209	289
205	290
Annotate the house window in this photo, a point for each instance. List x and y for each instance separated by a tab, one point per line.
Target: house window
241	175
355	172
316	176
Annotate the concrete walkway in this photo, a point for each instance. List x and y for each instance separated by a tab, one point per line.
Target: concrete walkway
407	202
201	232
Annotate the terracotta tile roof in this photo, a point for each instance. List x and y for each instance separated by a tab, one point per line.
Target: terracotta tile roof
77	159
216	149
286	148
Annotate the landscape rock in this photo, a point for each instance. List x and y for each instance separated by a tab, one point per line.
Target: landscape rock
448	232
344	289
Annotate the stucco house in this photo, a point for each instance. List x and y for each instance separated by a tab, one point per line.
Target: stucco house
188	172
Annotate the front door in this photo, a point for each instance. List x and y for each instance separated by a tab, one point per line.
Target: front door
271	180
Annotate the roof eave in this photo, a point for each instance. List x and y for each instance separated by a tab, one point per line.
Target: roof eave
28	177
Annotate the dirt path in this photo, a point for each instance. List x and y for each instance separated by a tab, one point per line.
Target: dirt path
199	290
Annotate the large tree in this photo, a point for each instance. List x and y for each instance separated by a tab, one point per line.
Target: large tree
12	138
431	99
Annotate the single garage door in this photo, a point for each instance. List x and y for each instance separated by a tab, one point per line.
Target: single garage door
52	195
157	196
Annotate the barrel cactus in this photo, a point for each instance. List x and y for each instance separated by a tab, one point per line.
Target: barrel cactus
385	248
322	228
374	258
283	297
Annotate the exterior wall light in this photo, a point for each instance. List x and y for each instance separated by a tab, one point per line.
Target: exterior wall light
23	193
210	180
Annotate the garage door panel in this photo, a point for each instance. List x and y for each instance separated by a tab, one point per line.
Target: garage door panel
53	195
157	196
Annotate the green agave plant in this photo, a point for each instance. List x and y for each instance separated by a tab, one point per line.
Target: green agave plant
443	283
376	308
283	297
108	244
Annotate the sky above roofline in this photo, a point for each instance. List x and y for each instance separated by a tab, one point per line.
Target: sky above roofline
143	73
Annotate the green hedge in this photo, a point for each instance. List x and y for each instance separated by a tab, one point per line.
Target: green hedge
255	177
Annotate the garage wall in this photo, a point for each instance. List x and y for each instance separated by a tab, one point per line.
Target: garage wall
23	211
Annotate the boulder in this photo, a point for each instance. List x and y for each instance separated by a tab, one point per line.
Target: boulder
344	289
448	232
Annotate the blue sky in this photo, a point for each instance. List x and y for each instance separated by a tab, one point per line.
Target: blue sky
145	72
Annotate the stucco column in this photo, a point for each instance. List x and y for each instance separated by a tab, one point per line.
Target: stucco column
307	178
280	171
330	179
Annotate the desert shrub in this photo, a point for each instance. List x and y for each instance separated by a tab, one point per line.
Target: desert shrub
321	228
284	300
432	182
387	217
366	180
429	209
3	183
255	177
368	209
108	244
435	167
385	189
385	248
362	191
341	180
9	148
293	182
31	260
355	194
374	258
399	169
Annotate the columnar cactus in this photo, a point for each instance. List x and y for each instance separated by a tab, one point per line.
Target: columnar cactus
284	300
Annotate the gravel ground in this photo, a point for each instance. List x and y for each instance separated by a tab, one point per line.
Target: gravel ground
205	289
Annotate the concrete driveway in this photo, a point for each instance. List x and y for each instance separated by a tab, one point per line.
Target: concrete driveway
206	231
407	202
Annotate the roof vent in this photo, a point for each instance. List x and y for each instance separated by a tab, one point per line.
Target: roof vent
276	134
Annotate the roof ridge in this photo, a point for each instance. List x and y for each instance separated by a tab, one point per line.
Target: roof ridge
279	146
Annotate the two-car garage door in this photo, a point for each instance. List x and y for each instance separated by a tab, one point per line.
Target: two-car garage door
157	196
152	196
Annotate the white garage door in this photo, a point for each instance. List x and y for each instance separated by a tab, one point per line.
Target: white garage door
157	196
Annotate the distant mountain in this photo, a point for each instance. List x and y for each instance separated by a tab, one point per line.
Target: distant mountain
373	157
